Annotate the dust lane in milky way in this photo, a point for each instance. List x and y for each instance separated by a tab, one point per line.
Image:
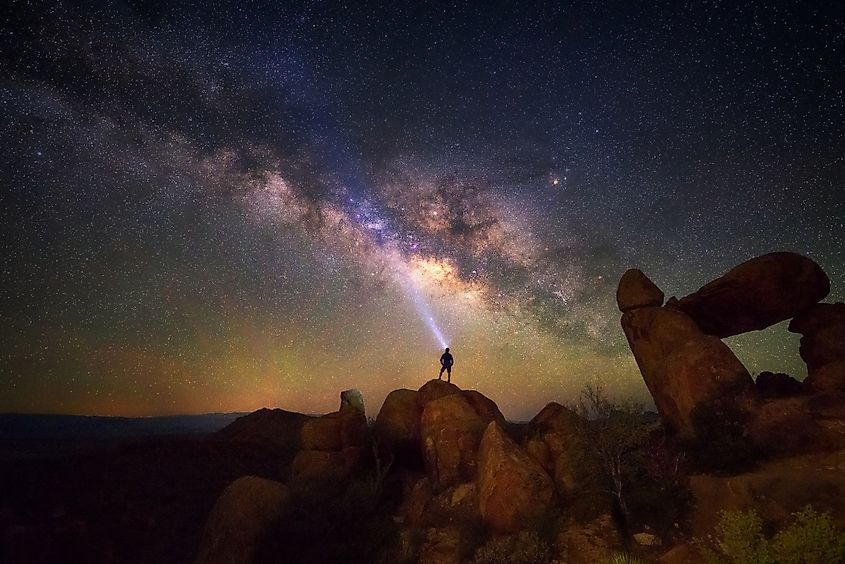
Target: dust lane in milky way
220	208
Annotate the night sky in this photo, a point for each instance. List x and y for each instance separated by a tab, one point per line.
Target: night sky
236	205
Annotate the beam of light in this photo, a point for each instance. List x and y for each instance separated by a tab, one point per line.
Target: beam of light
333	146
414	293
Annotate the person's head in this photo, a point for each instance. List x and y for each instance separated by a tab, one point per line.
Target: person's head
447	349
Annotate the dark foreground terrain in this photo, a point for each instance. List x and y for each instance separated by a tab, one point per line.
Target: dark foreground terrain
124	499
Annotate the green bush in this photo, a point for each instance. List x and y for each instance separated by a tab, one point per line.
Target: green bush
525	548
811	538
625	558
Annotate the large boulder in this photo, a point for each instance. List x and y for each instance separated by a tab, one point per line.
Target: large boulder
450	430
484	406
513	489
756	294
398	420
636	290
549	437
241	515
323	467
681	366
434	389
335	431
822	329
777	385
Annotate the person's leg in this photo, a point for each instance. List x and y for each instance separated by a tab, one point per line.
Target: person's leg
449	372
440	376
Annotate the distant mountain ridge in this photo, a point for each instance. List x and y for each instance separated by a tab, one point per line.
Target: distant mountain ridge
24	426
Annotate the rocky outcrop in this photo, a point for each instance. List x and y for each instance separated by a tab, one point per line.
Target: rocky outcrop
332	445
636	290
549	437
451	432
397	428
756	294
681	366
513	489
435	389
241	515
588	543
822	329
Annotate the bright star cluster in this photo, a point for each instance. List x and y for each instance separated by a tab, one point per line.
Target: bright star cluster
224	206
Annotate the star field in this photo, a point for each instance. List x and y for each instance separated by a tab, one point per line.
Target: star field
227	206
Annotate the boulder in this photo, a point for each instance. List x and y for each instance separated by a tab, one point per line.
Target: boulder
822	329
551	434
241	515
450	430
335	431
777	385
681	366
325	466
588	543
352	400
443	545
434	389
513	489
757	294
484	406
397	426
827	378
636	290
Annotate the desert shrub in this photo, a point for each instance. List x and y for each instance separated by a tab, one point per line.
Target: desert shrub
721	444
526	547
624	558
810	539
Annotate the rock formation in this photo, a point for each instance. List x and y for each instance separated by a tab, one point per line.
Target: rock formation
272	426
549	436
332	445
685	364
451	432
822	329
241	515
513	489
681	366
636	290
756	294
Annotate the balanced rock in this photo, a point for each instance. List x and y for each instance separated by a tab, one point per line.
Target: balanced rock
513	488
636	290
822	329
681	366
241	515
756	294
450	430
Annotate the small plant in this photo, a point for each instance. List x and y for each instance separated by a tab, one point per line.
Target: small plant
525	548
624	558
811	538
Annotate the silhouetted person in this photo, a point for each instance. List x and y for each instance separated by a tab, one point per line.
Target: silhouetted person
446	362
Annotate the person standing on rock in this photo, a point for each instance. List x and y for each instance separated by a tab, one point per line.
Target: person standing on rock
446	362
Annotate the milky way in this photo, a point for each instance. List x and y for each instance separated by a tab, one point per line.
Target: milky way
224	207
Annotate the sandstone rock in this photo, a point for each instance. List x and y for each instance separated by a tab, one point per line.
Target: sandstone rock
415	502
827	378
646	539
325	466
680	365
551	435
636	290
513	487
434	389
777	385
756	294
822	329
451	431
785	426
554	417
398	420
242	513
484	406
335	431
352	400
